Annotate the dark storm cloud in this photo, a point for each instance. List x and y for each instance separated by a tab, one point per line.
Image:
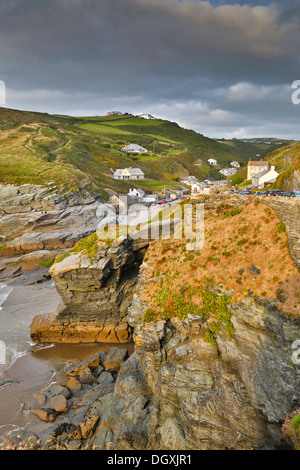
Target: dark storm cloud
203	64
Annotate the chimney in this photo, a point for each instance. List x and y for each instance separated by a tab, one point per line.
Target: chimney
272	168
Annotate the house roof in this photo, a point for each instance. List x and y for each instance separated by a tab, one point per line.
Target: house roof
134	147
261	174
189	178
129	200
134	171
139	191
258	163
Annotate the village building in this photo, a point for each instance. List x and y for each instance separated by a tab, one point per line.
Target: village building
235	164
114	113
146	116
139	193
255	167
228	171
200	189
129	174
189	180
122	201
212	161
265	177
134	148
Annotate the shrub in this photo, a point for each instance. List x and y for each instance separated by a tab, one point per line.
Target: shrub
280	228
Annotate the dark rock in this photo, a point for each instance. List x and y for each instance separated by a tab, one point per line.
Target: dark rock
86	376
66	432
58	389
115	358
22	439
254	270
105	378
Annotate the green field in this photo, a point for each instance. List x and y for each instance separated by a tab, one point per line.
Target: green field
103	129
39	148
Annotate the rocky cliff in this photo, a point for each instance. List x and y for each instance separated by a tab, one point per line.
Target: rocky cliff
221	378
231	396
213	329
95	294
43	218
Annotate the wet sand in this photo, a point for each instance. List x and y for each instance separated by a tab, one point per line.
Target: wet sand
32	368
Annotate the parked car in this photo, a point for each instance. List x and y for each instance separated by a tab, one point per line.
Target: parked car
273	192
244	193
259	193
296	194
287	194
161	203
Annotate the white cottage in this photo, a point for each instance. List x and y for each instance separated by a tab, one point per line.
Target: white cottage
265	177
129	174
134	148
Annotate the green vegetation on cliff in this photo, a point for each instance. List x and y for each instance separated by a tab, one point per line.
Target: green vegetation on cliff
287	163
245	253
38	148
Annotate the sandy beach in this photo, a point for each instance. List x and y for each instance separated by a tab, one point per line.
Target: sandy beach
31	368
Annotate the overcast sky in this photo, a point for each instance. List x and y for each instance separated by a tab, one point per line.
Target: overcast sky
223	68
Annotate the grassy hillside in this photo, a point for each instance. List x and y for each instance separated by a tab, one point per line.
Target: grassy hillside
39	148
267	145
287	162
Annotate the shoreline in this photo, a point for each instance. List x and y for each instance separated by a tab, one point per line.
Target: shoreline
30	367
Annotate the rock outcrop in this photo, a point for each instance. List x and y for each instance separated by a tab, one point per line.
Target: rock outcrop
111	411
289	213
95	293
37	218
179	390
233	396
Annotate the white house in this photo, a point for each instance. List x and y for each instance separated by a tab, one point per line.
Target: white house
212	161
235	164
134	148
139	193
265	177
199	189
114	113
129	174
228	171
146	116
255	167
189	180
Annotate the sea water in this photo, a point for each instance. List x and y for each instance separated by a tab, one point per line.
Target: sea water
29	368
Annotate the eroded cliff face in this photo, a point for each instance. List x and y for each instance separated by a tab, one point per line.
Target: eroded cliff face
233	396
213	331
220	385
37	218
95	295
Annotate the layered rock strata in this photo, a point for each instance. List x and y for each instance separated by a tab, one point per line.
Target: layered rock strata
34	218
95	295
